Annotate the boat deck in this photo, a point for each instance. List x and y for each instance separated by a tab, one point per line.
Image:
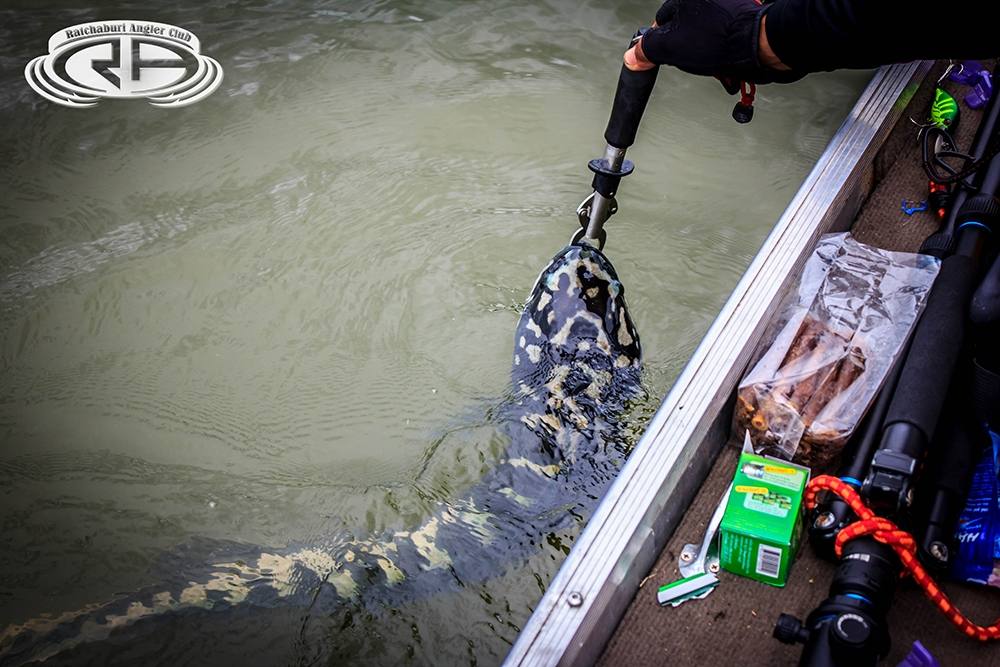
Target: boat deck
734	623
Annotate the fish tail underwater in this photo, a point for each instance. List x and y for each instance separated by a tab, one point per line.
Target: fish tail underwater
576	367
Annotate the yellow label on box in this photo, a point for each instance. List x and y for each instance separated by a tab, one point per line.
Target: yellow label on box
752	489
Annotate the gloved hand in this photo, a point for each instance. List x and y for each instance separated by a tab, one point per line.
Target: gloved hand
719	38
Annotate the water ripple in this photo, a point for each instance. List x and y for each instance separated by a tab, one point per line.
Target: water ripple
286	311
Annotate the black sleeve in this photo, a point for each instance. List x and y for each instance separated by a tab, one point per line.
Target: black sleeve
815	35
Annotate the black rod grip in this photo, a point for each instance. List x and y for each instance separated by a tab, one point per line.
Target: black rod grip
934	350
631	97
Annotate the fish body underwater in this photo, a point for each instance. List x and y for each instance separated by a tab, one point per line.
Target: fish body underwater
576	366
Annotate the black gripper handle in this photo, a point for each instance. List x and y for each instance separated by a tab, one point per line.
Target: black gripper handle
631	97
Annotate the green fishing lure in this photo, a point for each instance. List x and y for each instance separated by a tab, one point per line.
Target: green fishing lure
944	111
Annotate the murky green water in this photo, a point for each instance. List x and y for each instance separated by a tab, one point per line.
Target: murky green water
285	311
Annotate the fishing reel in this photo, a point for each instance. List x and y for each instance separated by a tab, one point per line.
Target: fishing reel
850	626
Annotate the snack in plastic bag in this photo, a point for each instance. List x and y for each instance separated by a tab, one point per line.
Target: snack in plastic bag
838	335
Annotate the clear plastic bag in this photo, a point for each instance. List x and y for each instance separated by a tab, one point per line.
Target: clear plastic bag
830	349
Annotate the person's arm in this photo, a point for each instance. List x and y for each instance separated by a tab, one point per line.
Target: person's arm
787	39
765	53
818	35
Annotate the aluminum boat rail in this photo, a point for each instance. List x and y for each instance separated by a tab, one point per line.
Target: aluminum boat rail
587	598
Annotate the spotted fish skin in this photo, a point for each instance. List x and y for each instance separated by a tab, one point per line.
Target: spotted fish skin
577	314
576	365
577	357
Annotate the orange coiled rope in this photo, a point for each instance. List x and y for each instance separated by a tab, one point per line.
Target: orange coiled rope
902	543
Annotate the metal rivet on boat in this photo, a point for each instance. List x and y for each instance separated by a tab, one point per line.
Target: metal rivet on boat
939	550
825	520
574	599
713	568
686	556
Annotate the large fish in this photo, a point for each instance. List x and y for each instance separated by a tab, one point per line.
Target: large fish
576	365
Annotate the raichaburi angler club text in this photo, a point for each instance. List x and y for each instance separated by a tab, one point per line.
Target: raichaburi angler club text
129	27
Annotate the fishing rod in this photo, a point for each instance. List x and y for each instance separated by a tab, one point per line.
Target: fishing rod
960	439
850	626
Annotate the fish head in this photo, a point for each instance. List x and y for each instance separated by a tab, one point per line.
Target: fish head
576	317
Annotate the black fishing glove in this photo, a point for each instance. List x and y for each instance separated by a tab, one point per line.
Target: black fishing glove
714	38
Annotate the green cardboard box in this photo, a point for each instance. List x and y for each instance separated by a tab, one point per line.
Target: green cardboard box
761	527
